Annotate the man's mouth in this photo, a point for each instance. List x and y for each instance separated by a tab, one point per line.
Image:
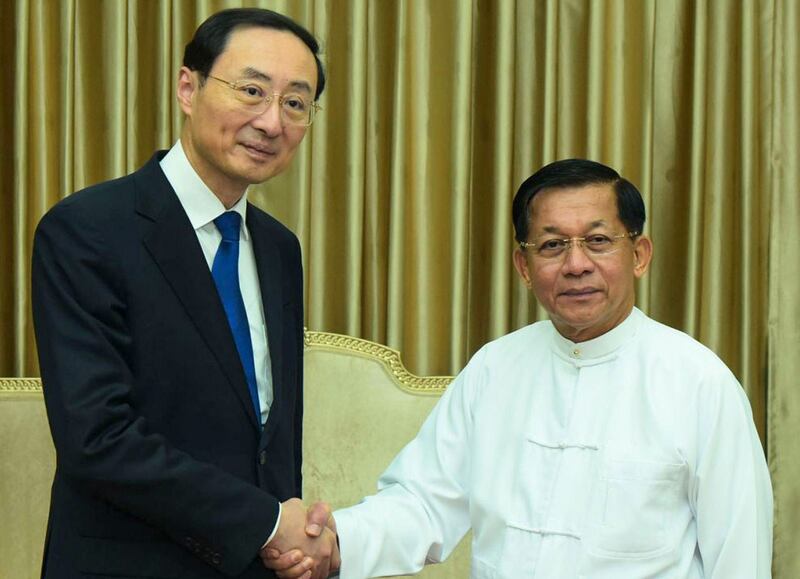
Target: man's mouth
260	150
579	292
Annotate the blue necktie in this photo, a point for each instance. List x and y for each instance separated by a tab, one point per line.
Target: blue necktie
225	272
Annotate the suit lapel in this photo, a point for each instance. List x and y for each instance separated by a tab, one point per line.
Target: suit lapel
268	265
173	245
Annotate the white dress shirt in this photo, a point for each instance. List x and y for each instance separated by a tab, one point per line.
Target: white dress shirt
202	207
630	455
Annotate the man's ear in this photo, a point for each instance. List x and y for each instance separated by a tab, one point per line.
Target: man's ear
188	85
521	265
642	255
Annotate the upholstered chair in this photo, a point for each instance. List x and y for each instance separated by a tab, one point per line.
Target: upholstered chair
361	407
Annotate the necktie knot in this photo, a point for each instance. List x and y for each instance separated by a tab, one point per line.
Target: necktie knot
229	224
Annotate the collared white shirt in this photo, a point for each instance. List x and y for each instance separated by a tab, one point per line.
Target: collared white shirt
202	207
630	455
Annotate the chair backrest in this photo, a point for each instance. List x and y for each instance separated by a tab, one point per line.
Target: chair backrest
27	463
361	407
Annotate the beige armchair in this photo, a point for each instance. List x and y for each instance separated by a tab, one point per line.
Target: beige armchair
27	462
361	407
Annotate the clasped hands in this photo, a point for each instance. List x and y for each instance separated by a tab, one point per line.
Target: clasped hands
304	546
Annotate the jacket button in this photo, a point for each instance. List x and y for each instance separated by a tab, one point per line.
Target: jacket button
262	457
215	559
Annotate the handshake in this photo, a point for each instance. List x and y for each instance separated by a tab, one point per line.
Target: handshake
305	544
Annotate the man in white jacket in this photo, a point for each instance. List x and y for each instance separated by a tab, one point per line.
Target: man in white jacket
598	444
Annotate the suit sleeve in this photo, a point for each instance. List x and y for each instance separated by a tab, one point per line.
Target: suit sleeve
299	346
79	310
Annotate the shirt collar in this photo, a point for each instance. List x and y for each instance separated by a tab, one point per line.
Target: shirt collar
601	346
198	201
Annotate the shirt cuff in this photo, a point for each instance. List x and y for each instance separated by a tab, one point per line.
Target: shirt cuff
351	544
275	529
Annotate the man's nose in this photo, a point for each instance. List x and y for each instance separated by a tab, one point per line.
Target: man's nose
270	120
576	260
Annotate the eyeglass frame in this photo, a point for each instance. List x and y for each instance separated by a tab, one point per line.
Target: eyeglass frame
572	241
269	99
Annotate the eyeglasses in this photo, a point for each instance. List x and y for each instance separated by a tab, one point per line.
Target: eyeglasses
254	98
594	244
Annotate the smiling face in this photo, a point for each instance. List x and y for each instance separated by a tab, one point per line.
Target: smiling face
585	296
227	146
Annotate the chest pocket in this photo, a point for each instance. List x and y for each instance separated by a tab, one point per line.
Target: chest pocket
638	501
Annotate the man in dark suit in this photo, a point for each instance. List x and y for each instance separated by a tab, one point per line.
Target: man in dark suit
169	318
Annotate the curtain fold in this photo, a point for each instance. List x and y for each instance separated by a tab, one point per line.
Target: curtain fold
783	426
9	341
435	111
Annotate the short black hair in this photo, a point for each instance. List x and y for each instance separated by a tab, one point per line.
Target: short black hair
577	173
211	38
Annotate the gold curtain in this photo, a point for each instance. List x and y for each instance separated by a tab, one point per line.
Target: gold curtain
783	337
435	111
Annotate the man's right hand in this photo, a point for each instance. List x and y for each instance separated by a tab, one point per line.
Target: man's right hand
298	562
305	544
318	517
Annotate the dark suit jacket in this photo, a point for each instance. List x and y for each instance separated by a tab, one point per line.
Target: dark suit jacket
162	468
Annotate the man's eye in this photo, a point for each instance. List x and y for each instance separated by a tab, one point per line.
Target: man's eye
598	240
294	103
252	91
552	244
